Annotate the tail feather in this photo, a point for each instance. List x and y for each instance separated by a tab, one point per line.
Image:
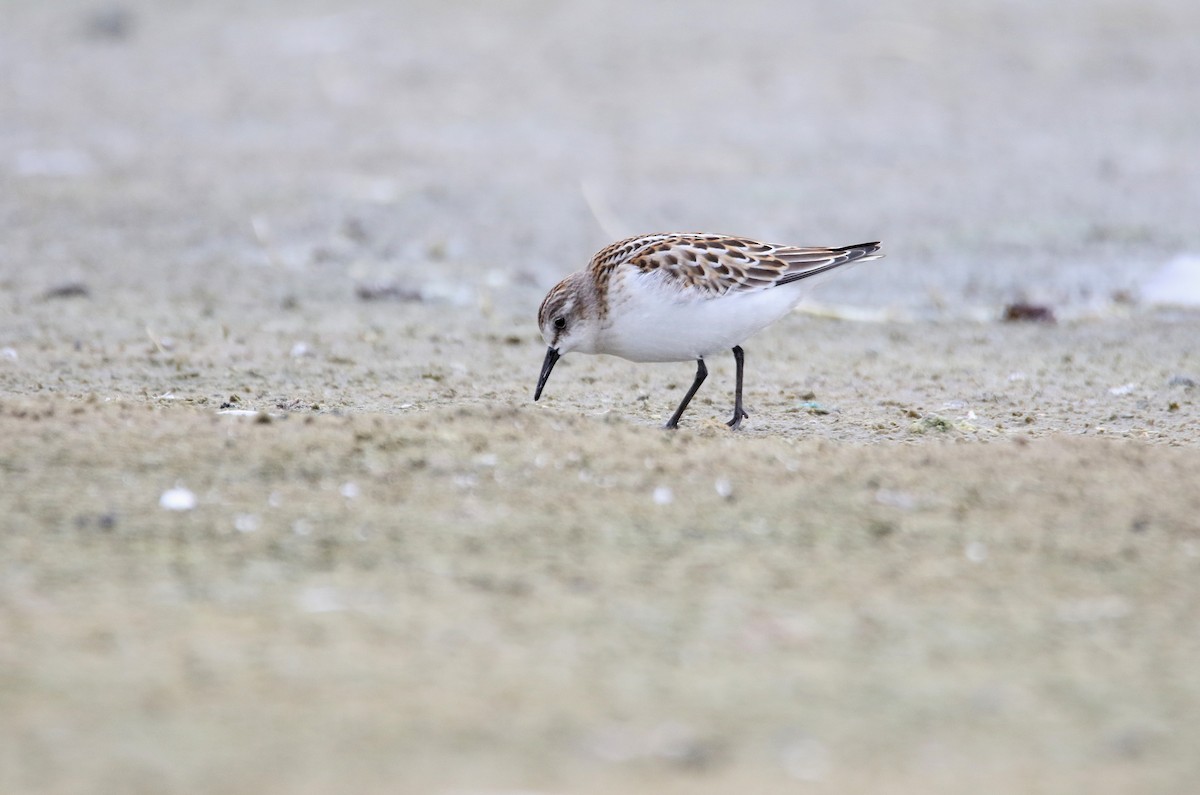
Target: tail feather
844	255
861	251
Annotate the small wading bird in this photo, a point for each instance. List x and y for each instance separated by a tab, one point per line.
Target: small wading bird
681	297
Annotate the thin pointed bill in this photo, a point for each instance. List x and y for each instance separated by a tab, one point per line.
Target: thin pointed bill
547	366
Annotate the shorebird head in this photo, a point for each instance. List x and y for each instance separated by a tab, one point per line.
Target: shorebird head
568	322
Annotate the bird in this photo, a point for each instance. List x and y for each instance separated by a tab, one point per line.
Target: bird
674	297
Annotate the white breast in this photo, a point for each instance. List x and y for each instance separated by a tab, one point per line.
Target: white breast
651	321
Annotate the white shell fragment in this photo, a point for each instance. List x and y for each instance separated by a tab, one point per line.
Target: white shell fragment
177	499
1177	283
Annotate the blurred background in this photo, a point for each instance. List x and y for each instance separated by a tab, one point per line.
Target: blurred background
278	515
1001	150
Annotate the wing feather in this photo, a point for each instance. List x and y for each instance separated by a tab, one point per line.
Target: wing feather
716	265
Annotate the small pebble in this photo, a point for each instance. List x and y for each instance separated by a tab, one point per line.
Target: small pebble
177	499
1021	311
68	290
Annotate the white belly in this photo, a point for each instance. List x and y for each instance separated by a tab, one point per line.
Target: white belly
650	323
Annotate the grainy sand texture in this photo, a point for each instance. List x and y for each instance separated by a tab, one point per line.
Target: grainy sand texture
277	511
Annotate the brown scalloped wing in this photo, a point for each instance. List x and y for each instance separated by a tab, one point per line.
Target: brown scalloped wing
612	255
715	265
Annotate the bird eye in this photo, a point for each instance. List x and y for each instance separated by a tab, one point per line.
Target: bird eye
560	323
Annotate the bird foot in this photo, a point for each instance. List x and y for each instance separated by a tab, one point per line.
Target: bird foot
738	416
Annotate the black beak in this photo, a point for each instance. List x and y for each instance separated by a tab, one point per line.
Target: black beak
547	366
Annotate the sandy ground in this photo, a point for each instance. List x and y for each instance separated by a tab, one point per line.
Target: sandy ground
285	257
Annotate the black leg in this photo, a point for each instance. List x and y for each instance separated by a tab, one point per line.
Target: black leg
701	374
738	412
